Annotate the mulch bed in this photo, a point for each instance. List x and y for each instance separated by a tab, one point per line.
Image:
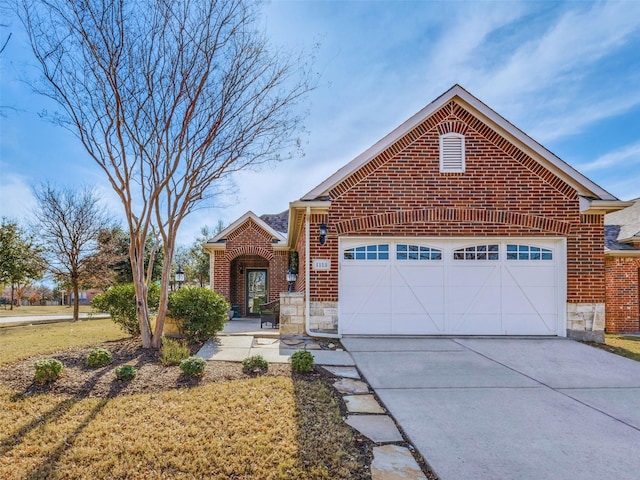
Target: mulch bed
79	380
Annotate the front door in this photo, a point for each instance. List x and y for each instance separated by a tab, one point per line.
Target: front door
256	291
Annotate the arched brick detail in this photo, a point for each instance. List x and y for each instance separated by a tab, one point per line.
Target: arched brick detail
452	126
249	250
405	217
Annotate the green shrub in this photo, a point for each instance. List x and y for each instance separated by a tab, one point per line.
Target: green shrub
48	370
198	312
193	366
120	302
255	364
302	361
126	372
172	352
99	357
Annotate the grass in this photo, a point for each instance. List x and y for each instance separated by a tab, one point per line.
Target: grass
257	428
622	345
266	427
41	310
17	343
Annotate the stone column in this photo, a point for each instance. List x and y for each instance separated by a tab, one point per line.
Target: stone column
292	313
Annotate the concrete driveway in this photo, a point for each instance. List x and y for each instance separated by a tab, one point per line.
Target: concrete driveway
486	408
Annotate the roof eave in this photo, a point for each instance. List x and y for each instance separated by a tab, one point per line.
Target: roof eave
592	206
622	253
316	206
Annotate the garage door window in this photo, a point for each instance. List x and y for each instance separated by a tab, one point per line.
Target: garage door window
368	252
528	252
477	252
417	252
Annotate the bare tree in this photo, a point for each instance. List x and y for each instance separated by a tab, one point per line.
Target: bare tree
169	97
68	223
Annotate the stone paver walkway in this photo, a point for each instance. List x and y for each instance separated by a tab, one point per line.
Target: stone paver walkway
366	415
242	340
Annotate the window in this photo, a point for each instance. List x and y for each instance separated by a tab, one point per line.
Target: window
452	153
368	252
528	252
477	252
417	252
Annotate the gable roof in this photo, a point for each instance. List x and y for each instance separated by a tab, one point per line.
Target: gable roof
222	236
626	225
585	187
278	221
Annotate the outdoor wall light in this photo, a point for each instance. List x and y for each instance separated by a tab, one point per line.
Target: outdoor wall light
291	278
179	276
241	269
323	233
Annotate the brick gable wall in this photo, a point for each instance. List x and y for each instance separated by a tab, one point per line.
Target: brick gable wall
248	246
503	192
623	294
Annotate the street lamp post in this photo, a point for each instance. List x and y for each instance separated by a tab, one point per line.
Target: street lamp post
179	276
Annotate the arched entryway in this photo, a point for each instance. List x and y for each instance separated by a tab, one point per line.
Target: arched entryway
249	282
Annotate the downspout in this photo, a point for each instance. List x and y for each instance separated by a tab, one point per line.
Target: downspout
307	282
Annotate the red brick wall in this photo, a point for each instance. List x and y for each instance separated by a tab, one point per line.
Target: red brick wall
623	295
503	192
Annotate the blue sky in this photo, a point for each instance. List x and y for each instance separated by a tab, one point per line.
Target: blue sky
566	73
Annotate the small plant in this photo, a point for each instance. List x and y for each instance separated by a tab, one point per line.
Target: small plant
126	372
172	352
48	370
255	364
302	361
193	366
99	357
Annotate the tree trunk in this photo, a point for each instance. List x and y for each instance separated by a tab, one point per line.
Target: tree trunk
12	289
76	301
136	254
164	297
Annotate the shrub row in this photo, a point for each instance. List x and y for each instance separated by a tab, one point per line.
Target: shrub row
199	313
172	353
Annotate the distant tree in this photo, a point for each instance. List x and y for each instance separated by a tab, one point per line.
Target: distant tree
42	293
114	244
169	97
21	260
69	222
200	257
194	260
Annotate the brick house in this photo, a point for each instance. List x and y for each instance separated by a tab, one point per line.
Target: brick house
249	259
455	223
622	264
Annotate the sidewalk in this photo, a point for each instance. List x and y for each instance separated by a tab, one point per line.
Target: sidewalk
30	319
243	337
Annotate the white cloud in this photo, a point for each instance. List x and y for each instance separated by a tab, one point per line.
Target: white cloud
16	198
553	76
620	158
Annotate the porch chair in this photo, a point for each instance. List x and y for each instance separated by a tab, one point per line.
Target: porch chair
270	313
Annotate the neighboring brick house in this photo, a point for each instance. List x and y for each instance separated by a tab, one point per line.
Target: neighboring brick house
622	263
86	296
455	223
249	260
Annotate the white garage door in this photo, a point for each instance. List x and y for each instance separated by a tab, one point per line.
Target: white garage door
482	286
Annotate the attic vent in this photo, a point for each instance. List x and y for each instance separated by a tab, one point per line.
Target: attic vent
452	152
